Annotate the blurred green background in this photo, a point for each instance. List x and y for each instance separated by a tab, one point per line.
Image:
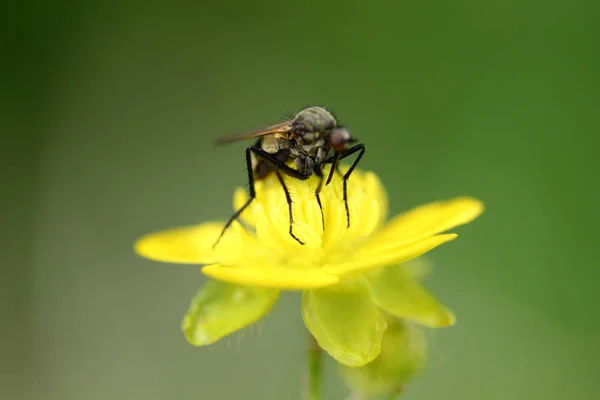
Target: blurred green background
110	109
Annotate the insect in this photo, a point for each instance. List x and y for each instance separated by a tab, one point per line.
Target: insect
298	147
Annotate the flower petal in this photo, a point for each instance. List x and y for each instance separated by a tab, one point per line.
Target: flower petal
428	220
219	309
290	277
186	245
397	293
370	257
345	322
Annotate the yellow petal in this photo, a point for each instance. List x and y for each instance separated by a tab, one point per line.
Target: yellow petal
428	220
396	292
186	245
289	277
368	258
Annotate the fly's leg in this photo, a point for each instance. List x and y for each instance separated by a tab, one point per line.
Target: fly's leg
289	202
280	166
319	173
250	198
360	148
334	166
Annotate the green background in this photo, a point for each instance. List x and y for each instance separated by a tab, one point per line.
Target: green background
109	110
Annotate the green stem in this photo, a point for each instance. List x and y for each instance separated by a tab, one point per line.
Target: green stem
315	367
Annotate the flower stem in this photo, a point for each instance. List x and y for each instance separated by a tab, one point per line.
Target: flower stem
315	367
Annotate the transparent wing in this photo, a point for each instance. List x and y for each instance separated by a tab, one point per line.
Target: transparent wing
282	127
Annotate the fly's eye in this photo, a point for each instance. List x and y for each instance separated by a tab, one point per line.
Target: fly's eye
339	138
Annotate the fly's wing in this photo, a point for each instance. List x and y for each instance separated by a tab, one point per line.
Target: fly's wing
282	127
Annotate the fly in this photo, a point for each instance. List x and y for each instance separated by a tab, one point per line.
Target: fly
298	147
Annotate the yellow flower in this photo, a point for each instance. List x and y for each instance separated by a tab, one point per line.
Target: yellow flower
349	276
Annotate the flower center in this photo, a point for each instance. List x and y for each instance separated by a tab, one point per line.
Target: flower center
329	231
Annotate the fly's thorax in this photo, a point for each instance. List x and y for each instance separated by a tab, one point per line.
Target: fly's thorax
313	119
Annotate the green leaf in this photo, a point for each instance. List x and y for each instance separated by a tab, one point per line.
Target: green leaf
219	309
345	322
399	294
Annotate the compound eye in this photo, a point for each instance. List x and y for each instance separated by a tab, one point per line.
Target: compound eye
339	138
